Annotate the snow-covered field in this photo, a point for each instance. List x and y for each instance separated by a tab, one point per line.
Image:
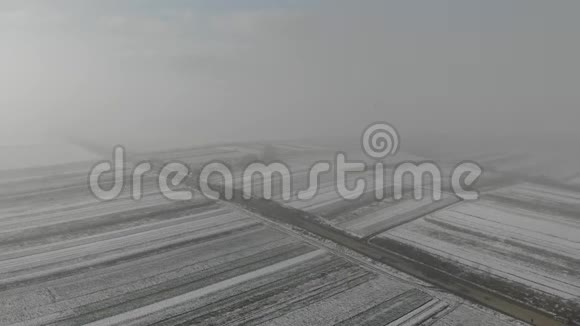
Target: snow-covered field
119	262
326	199
540	194
503	235
362	216
70	259
469	316
387	214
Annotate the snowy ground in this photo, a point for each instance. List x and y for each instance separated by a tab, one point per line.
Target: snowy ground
501	236
540	194
69	259
365	215
387	214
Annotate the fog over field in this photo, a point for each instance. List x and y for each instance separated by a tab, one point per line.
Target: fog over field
149	74
289	162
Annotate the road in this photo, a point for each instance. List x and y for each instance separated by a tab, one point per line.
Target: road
307	221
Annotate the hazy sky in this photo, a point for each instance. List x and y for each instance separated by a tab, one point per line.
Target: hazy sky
179	72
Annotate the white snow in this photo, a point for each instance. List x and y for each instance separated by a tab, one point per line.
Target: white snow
513	243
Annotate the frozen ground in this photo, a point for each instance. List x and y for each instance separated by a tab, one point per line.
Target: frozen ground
540	193
388	213
535	248
360	217
69	259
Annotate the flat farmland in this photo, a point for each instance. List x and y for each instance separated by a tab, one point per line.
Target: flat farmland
43	179
560	200
506	235
388	213
360	217
327	201
68	258
197	262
